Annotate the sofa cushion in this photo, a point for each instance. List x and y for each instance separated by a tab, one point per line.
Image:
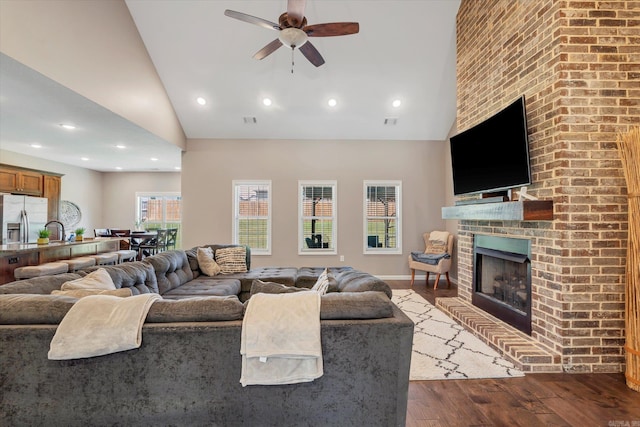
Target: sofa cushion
171	269
358	281
258	286
206	263
40	285
232	260
355	305
196	309
81	293
205	286
307	276
98	279
30	309
138	275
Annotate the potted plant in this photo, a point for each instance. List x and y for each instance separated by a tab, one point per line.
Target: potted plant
43	236
80	234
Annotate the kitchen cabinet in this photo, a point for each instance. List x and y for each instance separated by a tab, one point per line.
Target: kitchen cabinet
52	187
19	181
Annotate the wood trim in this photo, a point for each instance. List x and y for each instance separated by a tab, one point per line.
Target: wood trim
526	210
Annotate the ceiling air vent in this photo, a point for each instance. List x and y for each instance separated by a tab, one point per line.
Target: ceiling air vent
391	121
249	120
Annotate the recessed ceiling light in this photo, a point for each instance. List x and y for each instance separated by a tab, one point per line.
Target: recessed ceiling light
177	168
332	102
84	158
121	146
267	101
200	100
67	126
396	103
118	168
36	145
154	159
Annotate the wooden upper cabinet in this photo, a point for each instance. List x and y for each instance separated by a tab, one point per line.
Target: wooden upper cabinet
52	187
21	181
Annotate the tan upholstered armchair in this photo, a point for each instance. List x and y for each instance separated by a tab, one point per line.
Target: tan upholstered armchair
434	247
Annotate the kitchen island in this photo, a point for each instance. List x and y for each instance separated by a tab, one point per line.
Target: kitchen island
16	255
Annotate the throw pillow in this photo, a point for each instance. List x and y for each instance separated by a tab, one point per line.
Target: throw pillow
437	243
80	293
258	286
232	259
322	285
98	279
206	262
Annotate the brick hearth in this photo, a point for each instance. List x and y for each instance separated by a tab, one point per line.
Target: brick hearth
524	352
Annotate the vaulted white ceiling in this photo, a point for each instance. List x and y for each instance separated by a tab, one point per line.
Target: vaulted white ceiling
405	50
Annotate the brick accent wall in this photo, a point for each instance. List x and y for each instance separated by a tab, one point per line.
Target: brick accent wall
578	64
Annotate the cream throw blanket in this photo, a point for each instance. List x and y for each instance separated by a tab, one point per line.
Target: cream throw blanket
280	341
101	324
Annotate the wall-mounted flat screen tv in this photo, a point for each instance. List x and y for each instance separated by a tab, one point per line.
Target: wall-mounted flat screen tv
494	154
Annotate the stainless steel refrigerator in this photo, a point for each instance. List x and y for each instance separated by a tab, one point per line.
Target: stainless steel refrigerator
22	217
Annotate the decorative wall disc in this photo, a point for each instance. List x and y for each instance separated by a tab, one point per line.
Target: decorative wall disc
70	214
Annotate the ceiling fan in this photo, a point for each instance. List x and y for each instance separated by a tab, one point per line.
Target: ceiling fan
294	31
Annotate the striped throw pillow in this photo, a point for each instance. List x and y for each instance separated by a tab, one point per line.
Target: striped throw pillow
232	260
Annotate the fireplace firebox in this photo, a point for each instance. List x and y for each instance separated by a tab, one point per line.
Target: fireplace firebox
502	279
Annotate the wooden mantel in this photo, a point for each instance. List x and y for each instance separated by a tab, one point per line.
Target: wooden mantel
526	210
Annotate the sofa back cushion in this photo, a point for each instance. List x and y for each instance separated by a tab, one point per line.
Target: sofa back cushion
23	309
192	256
196	309
40	285
171	269
137	275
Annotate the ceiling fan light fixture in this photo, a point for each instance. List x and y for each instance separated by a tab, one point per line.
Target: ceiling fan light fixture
293	37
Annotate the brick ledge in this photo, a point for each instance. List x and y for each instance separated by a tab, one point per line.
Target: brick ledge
519	348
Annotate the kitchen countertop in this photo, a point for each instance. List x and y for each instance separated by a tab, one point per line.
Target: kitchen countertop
12	248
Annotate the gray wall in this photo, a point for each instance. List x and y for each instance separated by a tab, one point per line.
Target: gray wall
210	166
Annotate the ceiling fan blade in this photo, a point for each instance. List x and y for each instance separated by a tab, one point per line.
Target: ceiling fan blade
252	19
311	53
268	49
295	12
332	29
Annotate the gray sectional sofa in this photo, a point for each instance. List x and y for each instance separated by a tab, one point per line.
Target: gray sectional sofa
187	370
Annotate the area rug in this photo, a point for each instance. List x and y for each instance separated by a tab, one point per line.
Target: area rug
443	349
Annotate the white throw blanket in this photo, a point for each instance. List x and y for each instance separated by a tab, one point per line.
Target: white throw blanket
101	324
280	341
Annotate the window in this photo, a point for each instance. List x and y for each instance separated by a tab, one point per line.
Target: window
318	220
159	210
252	215
382	219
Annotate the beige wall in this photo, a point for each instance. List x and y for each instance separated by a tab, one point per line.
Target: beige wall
209	166
81	44
119	194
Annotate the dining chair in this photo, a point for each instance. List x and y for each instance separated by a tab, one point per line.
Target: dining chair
124	243
102	232
155	244
172	237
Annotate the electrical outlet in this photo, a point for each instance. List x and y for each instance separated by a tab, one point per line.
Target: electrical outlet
341	258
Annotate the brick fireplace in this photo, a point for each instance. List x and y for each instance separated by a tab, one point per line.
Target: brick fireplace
578	64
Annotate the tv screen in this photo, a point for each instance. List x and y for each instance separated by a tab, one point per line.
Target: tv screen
494	154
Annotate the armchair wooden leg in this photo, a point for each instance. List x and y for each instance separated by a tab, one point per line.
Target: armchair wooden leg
426	280
448	281
435	285
413	275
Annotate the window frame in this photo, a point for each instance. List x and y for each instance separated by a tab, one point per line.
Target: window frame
302	247
236	184
397	250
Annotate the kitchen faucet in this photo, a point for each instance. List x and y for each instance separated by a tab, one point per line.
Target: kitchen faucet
61	226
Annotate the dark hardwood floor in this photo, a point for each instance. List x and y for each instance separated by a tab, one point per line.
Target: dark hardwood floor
533	400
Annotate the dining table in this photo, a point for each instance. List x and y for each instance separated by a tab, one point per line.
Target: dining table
138	238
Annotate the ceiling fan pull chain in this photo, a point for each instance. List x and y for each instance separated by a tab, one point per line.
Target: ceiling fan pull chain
292	63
